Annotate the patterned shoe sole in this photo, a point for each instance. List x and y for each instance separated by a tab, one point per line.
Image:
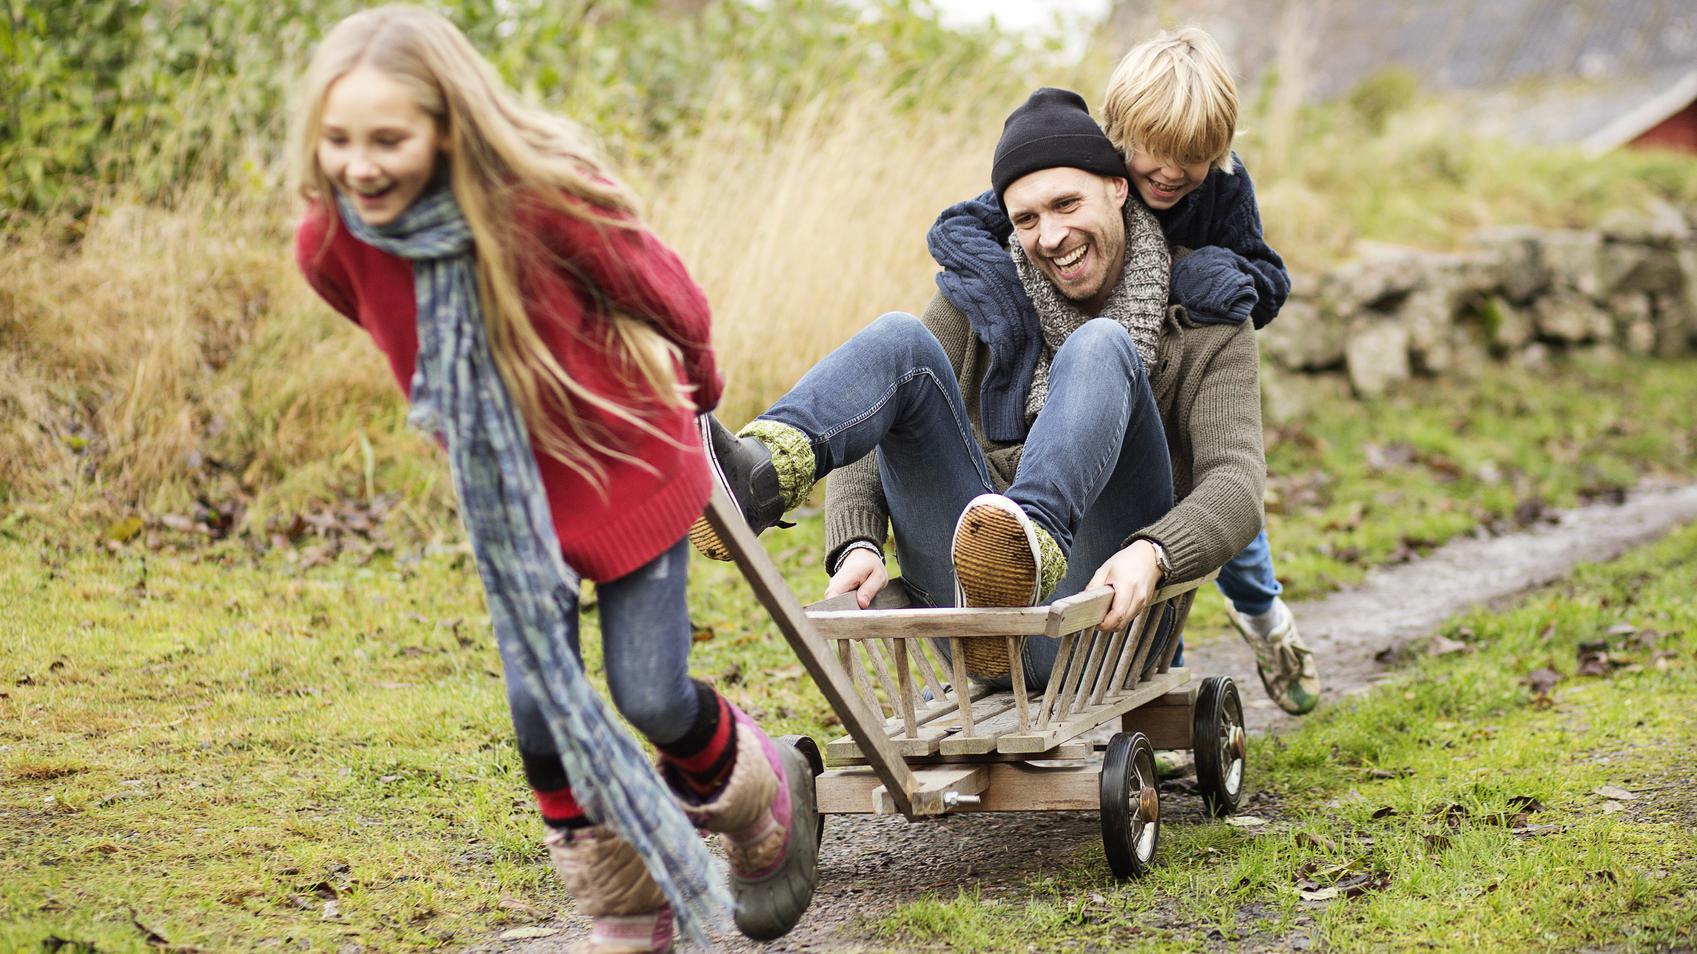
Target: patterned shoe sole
706	541
993	559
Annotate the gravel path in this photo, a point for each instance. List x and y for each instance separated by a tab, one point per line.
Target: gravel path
871	864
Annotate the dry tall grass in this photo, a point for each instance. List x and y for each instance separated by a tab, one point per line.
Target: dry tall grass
175	354
802	243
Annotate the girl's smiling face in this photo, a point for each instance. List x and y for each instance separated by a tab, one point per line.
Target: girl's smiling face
376	145
1162	182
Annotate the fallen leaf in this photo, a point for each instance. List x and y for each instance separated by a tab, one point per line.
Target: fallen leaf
1437	842
701	634
124	530
1593	659
332	911
1611	808
1385	457
1311	840
1246	821
1620	629
1614	792
1541	681
1385	812
526	933
1319	894
1442	645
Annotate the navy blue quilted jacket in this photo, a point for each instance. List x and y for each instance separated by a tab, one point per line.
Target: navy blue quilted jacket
1231	275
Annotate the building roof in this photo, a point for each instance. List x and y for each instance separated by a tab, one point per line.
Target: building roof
1596	73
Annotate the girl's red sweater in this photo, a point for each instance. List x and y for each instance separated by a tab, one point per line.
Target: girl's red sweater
581	270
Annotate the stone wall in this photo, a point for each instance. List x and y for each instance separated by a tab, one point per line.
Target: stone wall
1396	315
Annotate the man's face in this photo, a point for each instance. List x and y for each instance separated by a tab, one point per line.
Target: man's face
1162	182
1072	226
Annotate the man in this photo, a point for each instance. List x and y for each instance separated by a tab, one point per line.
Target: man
1020	462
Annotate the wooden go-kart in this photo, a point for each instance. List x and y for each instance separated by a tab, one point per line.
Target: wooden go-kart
924	739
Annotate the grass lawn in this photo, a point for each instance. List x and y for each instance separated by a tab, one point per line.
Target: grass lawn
201	748
1460	806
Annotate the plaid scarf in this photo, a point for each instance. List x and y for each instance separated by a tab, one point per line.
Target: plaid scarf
458	393
1138	300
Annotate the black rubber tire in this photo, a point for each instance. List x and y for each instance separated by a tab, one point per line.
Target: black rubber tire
1129	790
1221	745
810	750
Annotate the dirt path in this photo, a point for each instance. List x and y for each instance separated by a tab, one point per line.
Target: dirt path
871	864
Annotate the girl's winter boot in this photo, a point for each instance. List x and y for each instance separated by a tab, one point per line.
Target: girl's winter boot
610	884
768	816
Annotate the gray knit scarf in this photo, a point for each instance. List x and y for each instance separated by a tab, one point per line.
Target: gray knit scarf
458	393
1138	301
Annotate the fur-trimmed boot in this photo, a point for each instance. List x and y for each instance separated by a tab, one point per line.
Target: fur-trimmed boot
767	814
612	886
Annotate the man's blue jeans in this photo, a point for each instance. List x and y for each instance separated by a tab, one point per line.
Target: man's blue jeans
1248	580
1094	469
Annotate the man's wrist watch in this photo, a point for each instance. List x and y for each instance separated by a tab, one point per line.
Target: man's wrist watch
1161	561
854	545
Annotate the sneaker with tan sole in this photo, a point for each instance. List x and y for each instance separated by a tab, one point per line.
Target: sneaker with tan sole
1002	558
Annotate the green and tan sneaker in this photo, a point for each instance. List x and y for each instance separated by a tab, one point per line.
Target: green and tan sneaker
1282	659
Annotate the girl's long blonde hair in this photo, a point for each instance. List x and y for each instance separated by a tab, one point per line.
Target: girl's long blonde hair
504	153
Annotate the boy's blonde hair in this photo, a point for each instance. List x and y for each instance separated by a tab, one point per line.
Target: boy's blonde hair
505	154
1174	98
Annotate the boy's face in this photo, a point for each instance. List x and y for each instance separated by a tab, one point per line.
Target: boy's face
376	145
1072	226
1162	182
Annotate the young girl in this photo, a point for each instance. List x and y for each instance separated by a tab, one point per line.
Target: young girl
560	353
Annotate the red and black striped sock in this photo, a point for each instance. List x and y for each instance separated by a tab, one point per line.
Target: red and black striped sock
699	763
553	791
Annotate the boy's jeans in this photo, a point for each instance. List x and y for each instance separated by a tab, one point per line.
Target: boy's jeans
1094	469
1248	580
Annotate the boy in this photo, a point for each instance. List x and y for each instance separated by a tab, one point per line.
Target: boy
1171	110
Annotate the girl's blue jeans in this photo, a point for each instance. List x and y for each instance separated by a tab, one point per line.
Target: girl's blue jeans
645	642
1095	467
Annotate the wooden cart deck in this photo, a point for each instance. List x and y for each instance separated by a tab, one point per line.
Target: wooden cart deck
915	746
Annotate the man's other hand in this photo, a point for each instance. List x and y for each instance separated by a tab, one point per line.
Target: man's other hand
1133	573
861	573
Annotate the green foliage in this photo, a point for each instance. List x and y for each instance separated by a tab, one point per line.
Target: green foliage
153	95
1386	92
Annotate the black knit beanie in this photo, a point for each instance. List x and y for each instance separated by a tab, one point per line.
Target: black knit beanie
1052	128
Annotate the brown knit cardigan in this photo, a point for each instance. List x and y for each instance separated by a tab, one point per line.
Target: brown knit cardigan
1205	385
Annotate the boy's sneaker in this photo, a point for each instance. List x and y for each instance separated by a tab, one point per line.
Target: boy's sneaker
1282	659
743	466
1001	557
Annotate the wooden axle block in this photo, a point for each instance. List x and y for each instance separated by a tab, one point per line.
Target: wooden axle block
1166	721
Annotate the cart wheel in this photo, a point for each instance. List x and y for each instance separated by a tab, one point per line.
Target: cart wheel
1221	744
1131	805
810	750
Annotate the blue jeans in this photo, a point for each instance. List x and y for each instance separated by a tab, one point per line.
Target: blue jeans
1248	580
1095	467
645	642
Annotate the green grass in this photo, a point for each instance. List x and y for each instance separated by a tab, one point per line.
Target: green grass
215	745
1414	790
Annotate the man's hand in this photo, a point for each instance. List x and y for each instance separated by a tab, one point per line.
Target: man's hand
861	573
1134	574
